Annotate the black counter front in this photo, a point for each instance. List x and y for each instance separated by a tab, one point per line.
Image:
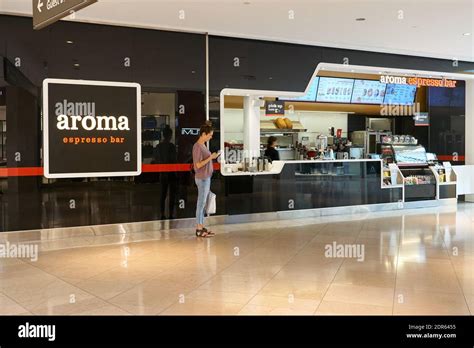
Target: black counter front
309	185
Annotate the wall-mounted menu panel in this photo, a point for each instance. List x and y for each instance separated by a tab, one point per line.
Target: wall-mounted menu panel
310	95
334	90
400	94
368	92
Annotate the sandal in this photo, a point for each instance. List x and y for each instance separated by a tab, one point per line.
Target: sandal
209	233
203	234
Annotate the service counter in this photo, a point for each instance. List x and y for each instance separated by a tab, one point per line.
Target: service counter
310	184
313	184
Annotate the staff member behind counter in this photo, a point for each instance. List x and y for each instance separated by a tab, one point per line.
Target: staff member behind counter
271	152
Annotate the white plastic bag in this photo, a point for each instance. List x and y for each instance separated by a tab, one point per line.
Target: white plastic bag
211	203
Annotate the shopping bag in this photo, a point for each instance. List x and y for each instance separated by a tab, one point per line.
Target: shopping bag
211	203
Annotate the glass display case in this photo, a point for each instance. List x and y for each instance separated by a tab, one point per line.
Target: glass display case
409	155
418	178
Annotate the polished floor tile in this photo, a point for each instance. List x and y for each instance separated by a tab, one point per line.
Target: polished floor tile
345	308
414	302
279	305
411	262
361	294
202	307
374	279
290	288
10	307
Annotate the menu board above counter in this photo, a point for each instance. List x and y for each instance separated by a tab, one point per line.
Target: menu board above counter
310	95
342	90
398	94
334	90
368	92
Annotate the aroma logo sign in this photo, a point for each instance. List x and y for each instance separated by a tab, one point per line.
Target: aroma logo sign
88	121
393	79
91	128
418	81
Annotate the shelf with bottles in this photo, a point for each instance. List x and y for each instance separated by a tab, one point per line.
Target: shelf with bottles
444	174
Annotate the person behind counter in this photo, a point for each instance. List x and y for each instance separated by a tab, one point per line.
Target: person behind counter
271	152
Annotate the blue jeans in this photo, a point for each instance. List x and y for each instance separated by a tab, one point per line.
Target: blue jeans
204	185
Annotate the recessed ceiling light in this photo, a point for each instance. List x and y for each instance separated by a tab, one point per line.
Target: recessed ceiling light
193	72
270	78
360	19
76	64
352	70
69	42
467	34
380	73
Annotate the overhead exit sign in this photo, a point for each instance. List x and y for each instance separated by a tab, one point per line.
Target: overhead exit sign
46	12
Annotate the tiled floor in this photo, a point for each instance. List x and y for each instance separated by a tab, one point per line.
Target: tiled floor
414	262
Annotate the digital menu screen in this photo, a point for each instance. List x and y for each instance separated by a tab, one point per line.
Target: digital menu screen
400	94
334	90
310	96
368	92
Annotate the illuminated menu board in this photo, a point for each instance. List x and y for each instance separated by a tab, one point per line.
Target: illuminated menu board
400	94
310	96
334	90
368	92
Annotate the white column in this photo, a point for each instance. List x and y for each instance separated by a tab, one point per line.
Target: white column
252	126
469	138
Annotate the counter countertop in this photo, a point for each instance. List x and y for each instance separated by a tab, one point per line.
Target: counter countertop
330	160
277	166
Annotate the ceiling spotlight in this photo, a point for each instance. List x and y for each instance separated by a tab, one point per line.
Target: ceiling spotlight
467	34
360	19
69	42
76	65
270	78
193	72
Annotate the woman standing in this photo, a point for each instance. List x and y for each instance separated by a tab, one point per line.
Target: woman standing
202	162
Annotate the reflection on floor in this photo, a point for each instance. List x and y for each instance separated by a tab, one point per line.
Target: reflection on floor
416	262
